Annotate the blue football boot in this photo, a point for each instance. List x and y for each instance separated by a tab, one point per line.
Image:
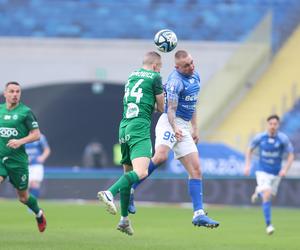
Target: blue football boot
204	221
131	206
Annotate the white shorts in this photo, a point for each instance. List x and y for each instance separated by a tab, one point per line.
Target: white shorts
36	172
164	135
266	181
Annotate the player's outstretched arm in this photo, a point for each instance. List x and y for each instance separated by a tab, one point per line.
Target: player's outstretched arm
248	157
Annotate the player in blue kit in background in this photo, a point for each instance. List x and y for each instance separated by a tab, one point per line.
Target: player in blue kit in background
272	145
176	129
38	152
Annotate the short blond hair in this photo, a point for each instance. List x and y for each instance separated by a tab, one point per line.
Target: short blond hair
181	54
151	57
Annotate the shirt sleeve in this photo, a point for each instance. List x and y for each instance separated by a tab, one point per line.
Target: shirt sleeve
288	146
173	88
255	141
31	121
158	88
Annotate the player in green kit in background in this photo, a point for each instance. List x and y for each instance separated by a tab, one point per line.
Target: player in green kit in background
18	126
142	90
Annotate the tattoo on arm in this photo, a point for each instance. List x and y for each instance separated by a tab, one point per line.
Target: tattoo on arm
172	107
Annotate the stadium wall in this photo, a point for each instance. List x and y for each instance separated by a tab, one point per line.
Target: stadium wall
38	61
216	190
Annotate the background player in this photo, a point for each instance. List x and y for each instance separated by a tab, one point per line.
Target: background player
18	126
38	152
176	129
142	91
272	145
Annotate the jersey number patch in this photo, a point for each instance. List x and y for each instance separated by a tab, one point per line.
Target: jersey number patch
132	108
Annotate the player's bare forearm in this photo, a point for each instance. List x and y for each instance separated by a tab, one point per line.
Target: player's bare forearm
33	135
160	102
43	157
288	164
195	132
172	107
194	120
248	157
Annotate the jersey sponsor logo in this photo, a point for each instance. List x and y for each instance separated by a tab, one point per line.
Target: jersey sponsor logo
15	117
277	145
24	177
271	140
274	154
189	107
7	117
132	110
8	132
191	98
124	139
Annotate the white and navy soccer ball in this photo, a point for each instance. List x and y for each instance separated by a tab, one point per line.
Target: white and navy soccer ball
165	40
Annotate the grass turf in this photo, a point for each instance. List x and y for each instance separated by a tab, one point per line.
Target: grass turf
88	226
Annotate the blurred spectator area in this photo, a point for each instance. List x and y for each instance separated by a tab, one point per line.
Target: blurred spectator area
213	20
291	126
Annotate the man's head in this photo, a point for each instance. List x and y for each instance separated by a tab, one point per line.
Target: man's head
273	122
152	61
12	93
184	63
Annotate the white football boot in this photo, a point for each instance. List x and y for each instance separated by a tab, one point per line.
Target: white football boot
270	229
108	199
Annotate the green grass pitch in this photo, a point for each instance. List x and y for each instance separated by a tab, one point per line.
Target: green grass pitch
88	226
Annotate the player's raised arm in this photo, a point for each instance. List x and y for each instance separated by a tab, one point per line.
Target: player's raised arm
160	102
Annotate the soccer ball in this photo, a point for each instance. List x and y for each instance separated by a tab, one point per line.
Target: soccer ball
165	40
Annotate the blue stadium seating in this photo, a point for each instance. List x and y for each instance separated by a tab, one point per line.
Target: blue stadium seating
227	20
291	126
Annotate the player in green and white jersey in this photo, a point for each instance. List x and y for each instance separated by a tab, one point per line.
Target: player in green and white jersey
18	126
142	90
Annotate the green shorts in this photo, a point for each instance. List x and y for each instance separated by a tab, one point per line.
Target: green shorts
134	137
16	171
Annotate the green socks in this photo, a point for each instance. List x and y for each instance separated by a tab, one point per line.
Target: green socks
125	181
32	204
124	200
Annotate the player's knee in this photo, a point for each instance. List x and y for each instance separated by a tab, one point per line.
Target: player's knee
196	173
143	174
23	199
267	195
34	184
160	158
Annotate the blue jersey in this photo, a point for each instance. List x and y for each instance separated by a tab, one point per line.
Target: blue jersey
271	151
184	89
35	149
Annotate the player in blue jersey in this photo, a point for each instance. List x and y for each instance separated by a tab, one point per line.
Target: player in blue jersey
271	145
38	152
176	130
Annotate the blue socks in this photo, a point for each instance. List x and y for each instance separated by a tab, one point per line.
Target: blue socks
266	206
35	192
195	191
151	168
